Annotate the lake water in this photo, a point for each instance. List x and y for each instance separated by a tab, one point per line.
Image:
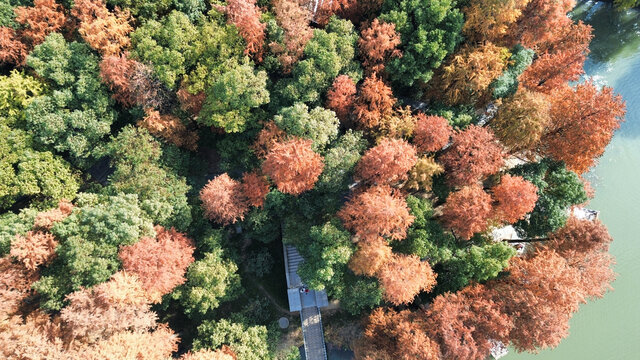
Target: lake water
609	328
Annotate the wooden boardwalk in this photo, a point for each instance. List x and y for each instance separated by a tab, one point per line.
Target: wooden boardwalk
314	346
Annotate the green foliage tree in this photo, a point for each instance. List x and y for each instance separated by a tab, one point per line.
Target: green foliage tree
146	9
429	29
76	116
360	294
89	238
135	157
12	224
319	125
16	92
329	53
326	257
507	84
37	176
232	96
210	281
626	4
558	189
247	342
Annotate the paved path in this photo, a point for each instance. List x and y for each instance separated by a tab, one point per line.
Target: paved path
314	346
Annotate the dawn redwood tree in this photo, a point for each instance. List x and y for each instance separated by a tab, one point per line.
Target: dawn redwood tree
293	166
254	188
33	249
514	198
12	50
170	128
377	44
521	120
15	285
583	120
540	295
561	59
245	15
465	79
371	255
389	334
464	323
267	138
104	31
580	235
386	163
538	21
46	219
222	200
491	20
467	211
431	133
375	212
116	72
159	263
294	20
374	103
405	276
341	97
39	20
473	155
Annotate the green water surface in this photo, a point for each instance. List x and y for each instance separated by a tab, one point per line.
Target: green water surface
609	328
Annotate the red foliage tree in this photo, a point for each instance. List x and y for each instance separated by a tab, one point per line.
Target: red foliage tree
254	188
170	128
514	198
464	324
34	249
373	104
293	166
245	15
116	73
386	163
46	219
376	212
579	235
467	211
341	97
583	120
15	286
222	200
395	335
158	263
474	154
405	276
294	20
268	137
371	255
12	50
561	60
538	21
39	20
191	102
431	133
117	305
540	295
377	44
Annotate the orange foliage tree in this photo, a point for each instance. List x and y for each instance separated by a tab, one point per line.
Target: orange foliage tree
386	163
395	335
104	31
583	120
474	154
377	44
116	73
268	137
538	21
254	188
405	276
491	20
15	286
294	20
245	15
467	211
39	20
579	235
12	50
371	255
376	212
222	200
467	76
158	263
34	249
293	166
374	103
341	97
170	128
431	133
521	120
561	59
46	219
514	198
99	312
463	324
